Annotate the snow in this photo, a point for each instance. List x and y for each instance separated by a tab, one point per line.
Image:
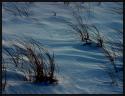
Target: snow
79	66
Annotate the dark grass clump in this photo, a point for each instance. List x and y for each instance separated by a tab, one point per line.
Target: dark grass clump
99	39
89	34
108	52
80	27
34	61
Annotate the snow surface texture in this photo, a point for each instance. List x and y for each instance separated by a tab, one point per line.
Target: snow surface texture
79	66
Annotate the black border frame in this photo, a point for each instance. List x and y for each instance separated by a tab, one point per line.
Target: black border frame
63	1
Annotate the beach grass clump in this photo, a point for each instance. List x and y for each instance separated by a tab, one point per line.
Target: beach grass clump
34	61
80	27
99	38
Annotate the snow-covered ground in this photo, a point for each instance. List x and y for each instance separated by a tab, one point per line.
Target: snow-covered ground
79	66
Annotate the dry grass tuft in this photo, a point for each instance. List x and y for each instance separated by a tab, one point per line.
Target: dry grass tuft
34	61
